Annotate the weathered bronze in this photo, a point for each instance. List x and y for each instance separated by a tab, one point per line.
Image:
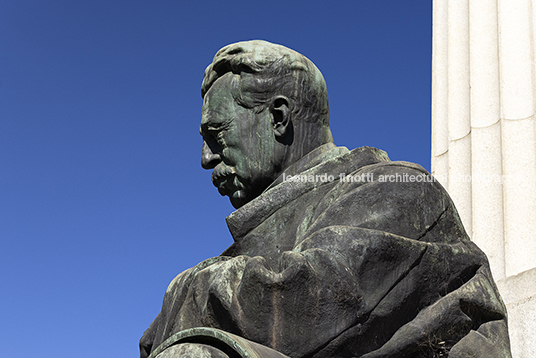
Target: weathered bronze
337	253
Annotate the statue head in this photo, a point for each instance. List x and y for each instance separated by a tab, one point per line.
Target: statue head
265	107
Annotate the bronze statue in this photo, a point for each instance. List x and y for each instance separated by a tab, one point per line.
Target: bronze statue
337	253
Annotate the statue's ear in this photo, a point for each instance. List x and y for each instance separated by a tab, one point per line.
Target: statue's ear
280	115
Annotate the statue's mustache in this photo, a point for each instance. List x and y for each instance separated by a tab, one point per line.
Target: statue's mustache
222	171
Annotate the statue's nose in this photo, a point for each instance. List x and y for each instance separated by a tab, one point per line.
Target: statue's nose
209	159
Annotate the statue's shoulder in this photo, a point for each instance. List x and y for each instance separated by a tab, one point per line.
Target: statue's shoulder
402	183
370	159
185	277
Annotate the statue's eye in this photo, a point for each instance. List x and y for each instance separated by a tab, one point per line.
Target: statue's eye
217	132
213	133
214	137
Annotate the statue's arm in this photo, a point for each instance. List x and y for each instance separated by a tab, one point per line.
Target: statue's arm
326	286
294	310
147	340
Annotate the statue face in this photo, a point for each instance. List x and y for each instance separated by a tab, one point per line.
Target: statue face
238	144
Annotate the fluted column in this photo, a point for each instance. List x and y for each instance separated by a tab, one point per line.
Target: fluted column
459	108
486	174
483	125
484	139
440	128
516	54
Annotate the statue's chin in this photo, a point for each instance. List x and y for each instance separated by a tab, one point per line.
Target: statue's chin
238	198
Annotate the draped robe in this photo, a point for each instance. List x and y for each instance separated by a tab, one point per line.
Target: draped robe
347	254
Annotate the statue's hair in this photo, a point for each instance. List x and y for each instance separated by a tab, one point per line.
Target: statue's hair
263	70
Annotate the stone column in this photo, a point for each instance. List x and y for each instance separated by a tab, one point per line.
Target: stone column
484	139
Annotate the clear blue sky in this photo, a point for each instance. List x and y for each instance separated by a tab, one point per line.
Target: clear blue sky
102	197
